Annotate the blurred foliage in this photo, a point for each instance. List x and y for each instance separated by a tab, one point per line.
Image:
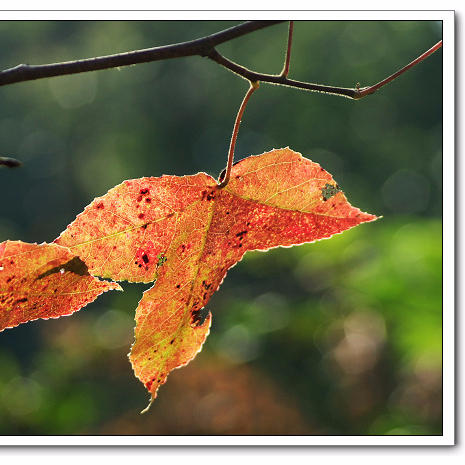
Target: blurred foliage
337	337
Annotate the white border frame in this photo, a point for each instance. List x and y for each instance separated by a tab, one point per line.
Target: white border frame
448	437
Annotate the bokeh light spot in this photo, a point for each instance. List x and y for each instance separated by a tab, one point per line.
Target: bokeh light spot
406	192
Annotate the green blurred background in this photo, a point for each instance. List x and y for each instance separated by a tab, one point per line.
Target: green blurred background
340	337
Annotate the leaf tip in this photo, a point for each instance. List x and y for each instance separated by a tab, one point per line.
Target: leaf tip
146	409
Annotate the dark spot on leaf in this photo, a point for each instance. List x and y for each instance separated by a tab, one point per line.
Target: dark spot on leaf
172	340
208	195
144	226
242	233
20	301
141	215
145	258
99	206
178	286
149	384
75	265
148	199
144	191
139	198
329	191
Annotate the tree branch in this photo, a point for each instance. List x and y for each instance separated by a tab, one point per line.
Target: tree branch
201	47
204	47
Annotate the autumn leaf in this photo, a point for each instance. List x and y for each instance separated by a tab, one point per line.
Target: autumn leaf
186	232
43	281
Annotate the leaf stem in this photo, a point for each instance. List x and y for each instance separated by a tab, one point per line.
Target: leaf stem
254	85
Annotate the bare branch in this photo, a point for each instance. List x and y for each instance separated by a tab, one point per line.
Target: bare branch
200	47
204	47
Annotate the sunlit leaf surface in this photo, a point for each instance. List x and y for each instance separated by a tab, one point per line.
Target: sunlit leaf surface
186	232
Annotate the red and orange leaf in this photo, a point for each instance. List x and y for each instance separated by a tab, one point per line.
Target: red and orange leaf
186	232
43	281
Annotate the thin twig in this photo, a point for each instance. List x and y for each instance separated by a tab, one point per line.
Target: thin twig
253	87
287	60
278	79
369	90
